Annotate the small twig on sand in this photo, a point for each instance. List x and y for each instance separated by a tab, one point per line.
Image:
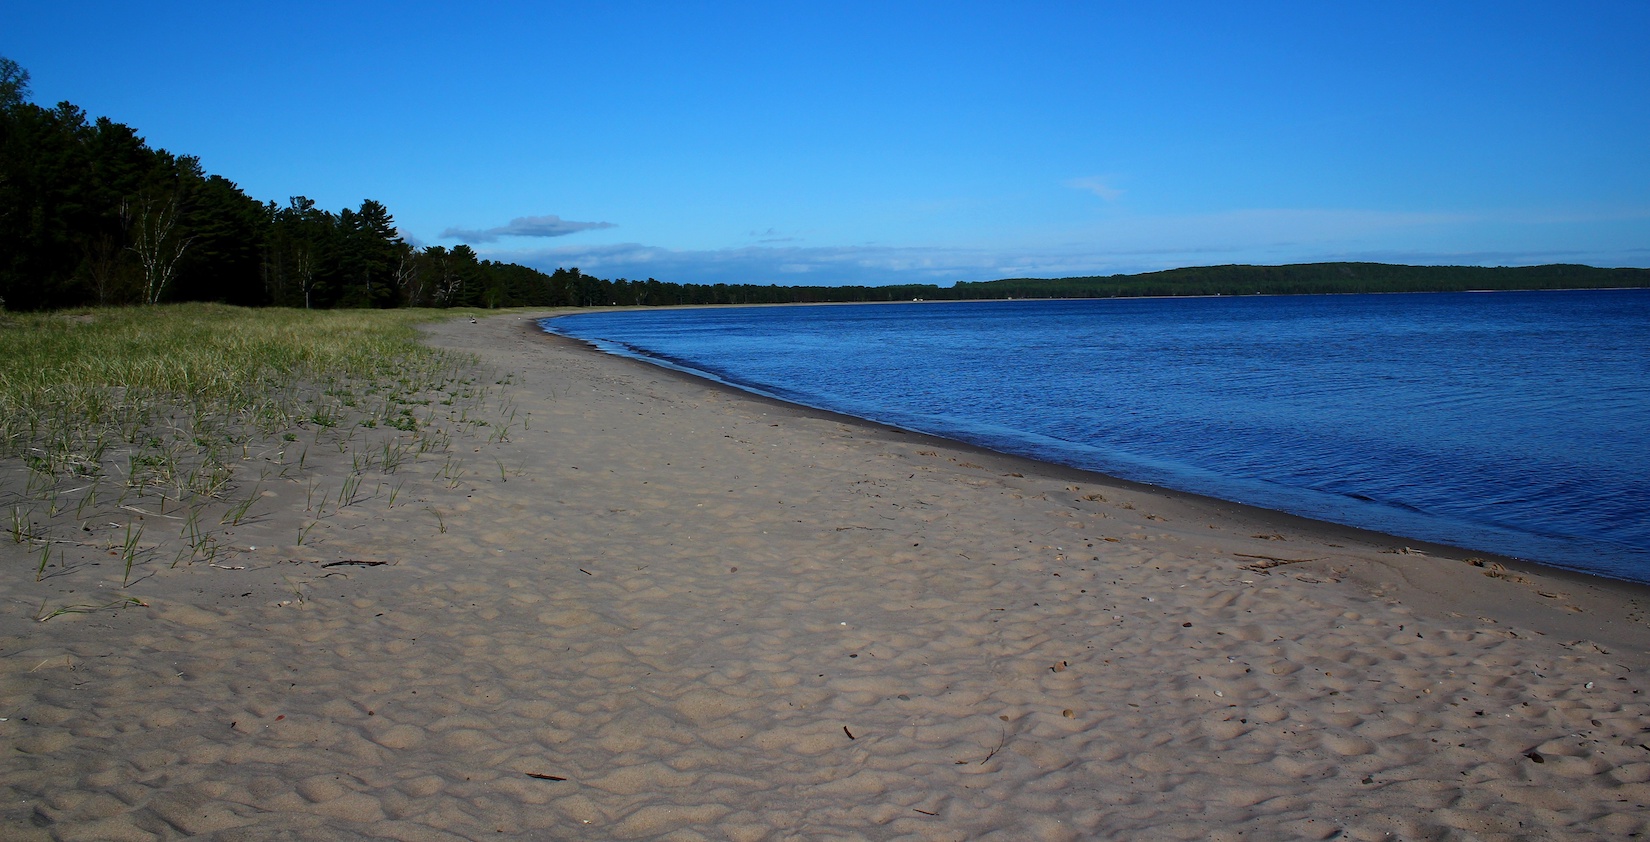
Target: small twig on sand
1267	561
1000	742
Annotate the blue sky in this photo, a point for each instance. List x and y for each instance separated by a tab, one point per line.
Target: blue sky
901	142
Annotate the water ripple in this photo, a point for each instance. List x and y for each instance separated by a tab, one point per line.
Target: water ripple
1512	422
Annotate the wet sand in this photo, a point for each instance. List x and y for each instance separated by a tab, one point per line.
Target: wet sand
657	608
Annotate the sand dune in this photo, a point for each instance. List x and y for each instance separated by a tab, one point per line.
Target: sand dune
654	608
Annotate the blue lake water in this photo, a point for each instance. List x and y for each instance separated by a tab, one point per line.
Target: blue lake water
1515	423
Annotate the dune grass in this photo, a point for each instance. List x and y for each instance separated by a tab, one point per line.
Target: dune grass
86	364
108	412
73	382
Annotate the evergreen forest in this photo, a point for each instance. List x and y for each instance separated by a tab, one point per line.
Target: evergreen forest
90	214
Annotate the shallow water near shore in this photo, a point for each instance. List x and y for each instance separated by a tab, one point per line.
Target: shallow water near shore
1510	422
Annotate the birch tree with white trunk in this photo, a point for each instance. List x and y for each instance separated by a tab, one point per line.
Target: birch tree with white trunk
151	223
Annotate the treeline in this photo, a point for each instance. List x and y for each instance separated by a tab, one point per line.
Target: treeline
651	292
1306	279
1297	279
91	214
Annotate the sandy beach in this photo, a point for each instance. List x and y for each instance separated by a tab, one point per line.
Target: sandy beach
629	604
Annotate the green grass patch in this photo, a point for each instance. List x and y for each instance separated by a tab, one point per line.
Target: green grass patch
114	369
180	414
229	356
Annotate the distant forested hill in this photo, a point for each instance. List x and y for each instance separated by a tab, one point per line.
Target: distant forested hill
1299	279
1308	278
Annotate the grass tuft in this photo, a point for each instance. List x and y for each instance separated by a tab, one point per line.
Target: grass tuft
172	404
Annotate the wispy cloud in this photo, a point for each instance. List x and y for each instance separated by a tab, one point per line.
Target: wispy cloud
1098	186
1508	257
825	265
774	235
1125	245
869	265
549	225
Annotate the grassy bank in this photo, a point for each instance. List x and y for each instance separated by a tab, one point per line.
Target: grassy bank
118	423
88	364
74	383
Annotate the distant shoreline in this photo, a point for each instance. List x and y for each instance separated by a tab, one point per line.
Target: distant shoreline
621	308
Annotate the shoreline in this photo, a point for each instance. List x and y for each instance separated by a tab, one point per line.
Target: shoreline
1638	589
1427	571
629	604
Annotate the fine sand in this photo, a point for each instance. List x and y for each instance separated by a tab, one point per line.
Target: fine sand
656	608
